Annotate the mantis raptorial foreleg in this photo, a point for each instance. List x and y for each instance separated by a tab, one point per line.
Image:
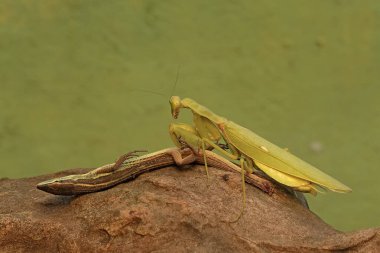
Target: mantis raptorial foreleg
184	135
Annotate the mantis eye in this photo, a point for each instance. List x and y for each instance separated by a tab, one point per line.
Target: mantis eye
175	104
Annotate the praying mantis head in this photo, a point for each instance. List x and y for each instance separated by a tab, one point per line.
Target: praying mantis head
175	105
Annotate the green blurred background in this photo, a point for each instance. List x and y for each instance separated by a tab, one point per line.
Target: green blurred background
79	80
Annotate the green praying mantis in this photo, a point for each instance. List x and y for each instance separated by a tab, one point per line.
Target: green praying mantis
210	131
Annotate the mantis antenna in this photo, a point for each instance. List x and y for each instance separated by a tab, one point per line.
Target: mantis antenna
176	80
159	93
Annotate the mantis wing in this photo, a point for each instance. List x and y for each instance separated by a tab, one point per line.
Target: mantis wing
267	153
